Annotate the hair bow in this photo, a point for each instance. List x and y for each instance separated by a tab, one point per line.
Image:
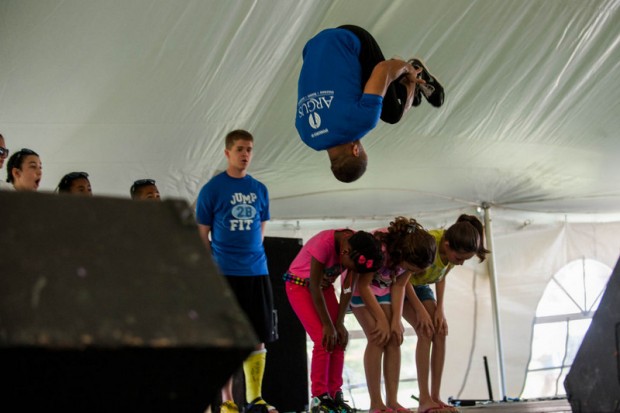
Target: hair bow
362	260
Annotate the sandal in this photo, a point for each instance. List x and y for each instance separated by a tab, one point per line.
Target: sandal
438	409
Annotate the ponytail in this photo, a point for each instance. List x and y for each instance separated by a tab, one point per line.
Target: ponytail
467	235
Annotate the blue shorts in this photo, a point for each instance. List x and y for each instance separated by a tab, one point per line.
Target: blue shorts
424	292
356	301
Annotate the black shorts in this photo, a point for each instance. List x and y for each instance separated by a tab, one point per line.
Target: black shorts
255	297
370	56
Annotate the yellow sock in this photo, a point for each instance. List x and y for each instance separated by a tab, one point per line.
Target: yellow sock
254	369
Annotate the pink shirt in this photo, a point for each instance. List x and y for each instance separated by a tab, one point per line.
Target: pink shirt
321	247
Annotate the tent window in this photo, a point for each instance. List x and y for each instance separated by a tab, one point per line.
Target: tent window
563	316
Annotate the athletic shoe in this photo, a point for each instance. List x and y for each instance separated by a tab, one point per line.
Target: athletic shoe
229	407
342	403
432	89
258	405
323	404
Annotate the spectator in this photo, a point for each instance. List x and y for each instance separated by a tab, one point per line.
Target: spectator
24	170
75	183
145	189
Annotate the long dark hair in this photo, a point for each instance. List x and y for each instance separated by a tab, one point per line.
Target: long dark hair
406	240
467	235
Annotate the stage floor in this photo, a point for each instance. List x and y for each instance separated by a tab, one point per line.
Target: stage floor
536	406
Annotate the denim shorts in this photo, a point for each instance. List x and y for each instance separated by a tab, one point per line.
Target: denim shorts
356	301
424	292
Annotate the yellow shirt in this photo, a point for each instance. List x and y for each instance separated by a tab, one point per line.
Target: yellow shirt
438	269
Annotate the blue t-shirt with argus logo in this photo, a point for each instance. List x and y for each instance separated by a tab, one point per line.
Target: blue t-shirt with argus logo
234	208
331	107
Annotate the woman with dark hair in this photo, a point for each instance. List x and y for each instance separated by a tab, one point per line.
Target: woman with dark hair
24	170
378	306
455	245
75	183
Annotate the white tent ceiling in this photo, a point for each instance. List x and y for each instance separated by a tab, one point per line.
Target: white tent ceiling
148	88
144	88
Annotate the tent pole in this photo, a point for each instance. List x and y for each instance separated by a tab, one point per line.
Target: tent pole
494	298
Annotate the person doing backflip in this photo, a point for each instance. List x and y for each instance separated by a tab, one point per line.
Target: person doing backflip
345	86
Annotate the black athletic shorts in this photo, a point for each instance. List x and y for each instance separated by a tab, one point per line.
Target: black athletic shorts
255	298
370	55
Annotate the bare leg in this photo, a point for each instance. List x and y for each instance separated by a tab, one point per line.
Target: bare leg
411	83
372	358
422	358
391	368
227	391
438	356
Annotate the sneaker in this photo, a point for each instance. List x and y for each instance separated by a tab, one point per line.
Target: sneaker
323	404
258	405
229	407
432	89
342	403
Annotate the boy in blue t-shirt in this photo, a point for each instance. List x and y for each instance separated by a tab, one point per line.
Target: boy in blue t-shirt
346	86
233	209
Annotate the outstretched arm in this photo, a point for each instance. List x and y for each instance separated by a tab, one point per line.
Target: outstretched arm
386	72
381	332
204	231
424	324
397	291
316	277
348	286
440	323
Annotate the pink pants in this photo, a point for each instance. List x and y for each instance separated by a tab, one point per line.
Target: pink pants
326	368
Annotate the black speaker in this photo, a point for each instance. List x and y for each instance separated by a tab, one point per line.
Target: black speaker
110	304
286	374
593	382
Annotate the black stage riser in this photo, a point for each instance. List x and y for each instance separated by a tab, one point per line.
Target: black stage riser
593	383
108	302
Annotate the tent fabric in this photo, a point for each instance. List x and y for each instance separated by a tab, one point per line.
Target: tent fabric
148	88
126	90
